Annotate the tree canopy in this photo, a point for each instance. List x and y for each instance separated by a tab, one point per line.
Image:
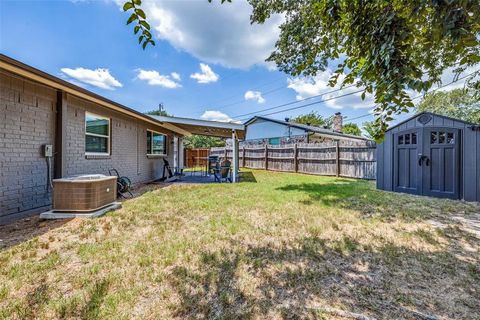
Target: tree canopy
385	47
459	103
196	141
313	119
369	129
351	128
160	112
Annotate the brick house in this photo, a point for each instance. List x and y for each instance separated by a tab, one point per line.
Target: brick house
88	134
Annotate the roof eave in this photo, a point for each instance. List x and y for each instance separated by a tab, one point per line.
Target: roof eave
21	69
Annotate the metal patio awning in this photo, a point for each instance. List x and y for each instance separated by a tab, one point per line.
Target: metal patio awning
205	127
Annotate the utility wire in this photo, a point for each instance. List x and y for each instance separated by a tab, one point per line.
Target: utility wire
421	95
293	102
310	104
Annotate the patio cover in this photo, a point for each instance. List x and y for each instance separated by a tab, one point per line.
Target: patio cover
235	131
206	127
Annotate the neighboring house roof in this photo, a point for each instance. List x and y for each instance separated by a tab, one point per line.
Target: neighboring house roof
182	126
307	128
205	127
431	114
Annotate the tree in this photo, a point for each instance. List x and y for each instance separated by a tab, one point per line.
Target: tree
458	103
138	15
351	128
369	129
385	47
313	119
160	112
196	141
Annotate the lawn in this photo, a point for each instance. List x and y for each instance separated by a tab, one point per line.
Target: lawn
277	245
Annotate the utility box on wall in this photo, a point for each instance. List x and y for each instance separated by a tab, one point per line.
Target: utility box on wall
432	155
47	150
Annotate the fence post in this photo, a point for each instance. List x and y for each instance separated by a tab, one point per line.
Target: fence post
295	157
243	157
337	157
266	156
225	154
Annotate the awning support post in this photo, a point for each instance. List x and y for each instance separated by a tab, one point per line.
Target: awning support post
235	156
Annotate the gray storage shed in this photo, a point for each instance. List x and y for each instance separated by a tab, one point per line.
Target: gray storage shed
433	155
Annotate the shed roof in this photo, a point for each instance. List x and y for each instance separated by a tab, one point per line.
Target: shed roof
307	128
432	114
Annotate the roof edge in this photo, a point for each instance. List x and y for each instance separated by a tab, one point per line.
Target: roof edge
19	68
432	114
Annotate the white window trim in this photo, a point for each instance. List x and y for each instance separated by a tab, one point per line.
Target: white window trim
151	145
99	135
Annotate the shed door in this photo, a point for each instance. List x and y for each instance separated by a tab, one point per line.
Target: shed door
407	174
441	170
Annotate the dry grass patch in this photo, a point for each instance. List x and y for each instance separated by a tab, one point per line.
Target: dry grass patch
284	246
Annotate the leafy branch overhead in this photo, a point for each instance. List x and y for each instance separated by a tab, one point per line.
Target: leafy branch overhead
387	47
142	29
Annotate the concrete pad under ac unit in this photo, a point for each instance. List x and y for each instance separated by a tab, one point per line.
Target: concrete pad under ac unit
53	214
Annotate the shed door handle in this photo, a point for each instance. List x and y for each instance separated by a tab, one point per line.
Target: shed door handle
427	163
420	160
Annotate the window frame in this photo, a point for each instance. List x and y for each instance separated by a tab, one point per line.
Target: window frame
109	137
277	139
165	152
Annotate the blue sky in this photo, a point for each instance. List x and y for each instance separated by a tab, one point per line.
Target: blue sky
208	62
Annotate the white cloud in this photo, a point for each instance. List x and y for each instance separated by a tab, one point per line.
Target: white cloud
313	86
154	78
206	76
214	115
254	95
214	32
100	78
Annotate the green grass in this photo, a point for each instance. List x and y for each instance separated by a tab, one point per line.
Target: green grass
275	245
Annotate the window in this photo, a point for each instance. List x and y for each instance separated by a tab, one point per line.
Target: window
450	138
97	134
156	143
274	141
408	138
433	137
441	137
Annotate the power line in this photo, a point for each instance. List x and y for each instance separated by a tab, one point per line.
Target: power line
254	88
293	102
310	104
243	101
420	95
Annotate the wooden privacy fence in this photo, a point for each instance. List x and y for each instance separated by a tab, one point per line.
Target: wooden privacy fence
338	158
195	157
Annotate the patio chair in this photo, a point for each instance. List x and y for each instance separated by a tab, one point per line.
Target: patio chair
222	172
167	171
